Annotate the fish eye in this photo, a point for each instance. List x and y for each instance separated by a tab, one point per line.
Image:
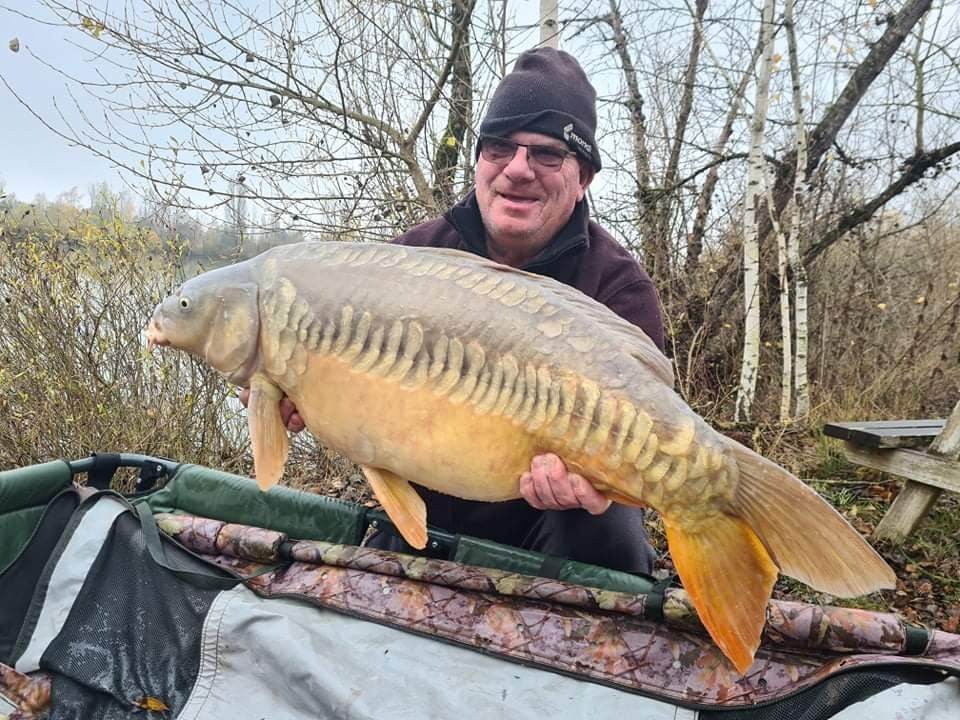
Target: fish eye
185	303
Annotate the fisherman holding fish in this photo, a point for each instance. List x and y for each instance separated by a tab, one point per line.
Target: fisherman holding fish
456	383
537	157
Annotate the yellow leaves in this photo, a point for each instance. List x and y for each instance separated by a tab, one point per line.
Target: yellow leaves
91	233
881	306
777	58
920	299
152	704
450	141
872	4
94	27
953	285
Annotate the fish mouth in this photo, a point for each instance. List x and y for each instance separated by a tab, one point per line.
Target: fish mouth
155	336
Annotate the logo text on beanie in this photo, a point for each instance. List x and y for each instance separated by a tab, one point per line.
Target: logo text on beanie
569	134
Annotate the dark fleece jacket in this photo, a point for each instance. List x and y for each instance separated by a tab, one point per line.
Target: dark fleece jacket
583	255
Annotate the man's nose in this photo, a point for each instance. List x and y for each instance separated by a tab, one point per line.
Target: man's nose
519	165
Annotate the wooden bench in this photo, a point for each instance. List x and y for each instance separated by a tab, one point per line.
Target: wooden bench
923	452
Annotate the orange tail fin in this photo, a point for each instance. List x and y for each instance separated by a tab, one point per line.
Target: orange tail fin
806	537
729	576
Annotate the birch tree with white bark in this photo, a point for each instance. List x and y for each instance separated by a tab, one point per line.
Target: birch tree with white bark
754	199
797	206
549	24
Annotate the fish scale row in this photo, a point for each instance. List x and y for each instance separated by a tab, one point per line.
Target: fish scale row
500	287
572	410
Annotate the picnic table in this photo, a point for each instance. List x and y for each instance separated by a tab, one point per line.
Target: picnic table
923	452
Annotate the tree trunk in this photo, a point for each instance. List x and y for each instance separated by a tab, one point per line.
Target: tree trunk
755	191
549	25
786	332
800	383
653	247
448	152
825	134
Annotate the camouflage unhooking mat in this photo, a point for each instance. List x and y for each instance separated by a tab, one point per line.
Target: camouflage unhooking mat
199	597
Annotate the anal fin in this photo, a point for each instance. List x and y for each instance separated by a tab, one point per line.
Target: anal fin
268	436
404	506
729	576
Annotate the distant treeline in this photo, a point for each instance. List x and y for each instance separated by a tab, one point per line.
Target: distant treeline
209	240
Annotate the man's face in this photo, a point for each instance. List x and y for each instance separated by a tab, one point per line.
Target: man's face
524	207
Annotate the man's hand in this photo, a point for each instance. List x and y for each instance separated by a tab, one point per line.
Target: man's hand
548	486
288	411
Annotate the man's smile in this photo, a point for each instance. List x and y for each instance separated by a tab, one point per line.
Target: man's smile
521	200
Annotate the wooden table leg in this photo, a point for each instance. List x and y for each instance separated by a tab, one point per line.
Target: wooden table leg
907	510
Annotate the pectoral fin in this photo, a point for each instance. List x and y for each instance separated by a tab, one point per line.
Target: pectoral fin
404	506
729	576
268	436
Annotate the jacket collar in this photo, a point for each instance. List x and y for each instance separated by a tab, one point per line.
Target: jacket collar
465	217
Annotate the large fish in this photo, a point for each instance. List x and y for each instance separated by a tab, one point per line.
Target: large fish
446	369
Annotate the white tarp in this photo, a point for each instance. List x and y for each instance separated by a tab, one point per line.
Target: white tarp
287	659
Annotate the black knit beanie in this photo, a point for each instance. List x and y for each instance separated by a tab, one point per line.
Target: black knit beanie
547	92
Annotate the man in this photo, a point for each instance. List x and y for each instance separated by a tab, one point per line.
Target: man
537	156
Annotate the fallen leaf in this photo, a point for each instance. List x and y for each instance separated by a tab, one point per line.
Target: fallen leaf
952	623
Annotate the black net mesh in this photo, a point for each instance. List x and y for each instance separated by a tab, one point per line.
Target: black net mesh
133	635
19	580
832	695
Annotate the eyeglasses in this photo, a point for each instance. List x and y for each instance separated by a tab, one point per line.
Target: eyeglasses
500	151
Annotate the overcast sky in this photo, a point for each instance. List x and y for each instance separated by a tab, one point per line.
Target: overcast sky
32	158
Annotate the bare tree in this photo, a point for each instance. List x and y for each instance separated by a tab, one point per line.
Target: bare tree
335	120
800	382
449	153
356	122
754	198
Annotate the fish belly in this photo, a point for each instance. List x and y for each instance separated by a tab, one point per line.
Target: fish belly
419	435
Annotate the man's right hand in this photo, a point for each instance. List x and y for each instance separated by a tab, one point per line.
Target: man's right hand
288	411
548	486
